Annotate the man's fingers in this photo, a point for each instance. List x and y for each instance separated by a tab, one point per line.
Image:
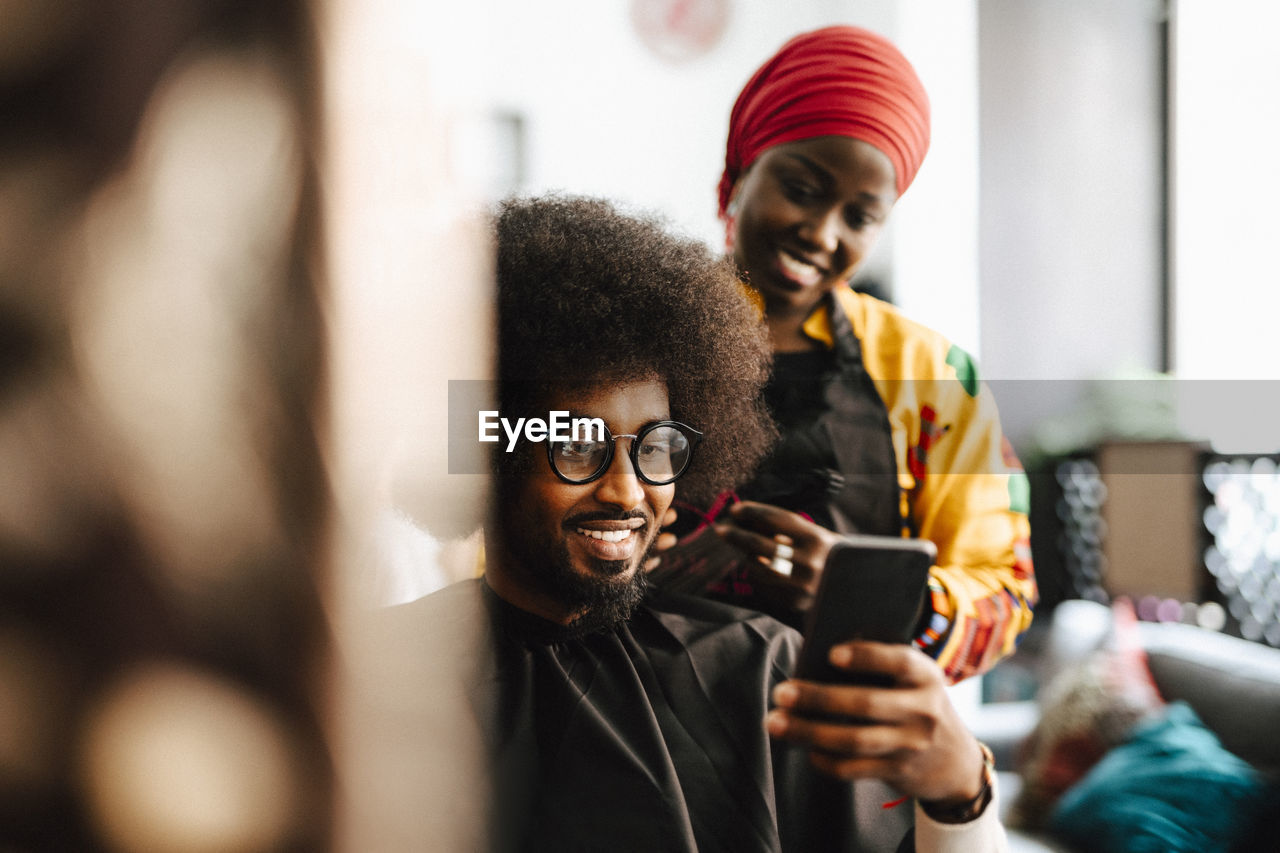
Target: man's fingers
848	701
844	767
906	665
842	739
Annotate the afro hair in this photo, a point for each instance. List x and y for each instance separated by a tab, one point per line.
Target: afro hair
588	294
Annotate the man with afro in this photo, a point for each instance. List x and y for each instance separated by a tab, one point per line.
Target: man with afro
620	717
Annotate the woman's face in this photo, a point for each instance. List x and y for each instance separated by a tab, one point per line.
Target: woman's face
807	213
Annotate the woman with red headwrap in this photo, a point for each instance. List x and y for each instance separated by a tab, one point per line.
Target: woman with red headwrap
885	426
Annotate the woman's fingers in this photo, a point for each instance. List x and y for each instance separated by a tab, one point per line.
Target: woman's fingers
787	574
665	540
785	542
751	543
771	520
812	540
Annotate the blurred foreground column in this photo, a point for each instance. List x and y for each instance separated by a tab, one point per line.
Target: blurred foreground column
163	502
408	310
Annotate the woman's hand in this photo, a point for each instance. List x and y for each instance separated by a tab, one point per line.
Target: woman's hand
758	529
908	734
664	541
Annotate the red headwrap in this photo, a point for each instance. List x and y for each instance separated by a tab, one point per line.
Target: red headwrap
837	81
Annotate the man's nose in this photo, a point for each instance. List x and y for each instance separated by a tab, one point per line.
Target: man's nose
620	486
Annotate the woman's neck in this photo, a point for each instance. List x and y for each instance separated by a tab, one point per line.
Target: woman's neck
786	334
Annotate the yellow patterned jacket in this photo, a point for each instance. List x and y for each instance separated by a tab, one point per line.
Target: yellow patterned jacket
961	484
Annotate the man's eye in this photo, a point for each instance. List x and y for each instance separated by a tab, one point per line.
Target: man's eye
578	449
655	448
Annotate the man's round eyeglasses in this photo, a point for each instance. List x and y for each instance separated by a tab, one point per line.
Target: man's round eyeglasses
659	453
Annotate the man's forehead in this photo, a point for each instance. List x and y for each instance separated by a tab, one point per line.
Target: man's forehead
626	400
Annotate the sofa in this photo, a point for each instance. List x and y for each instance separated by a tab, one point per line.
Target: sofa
1230	685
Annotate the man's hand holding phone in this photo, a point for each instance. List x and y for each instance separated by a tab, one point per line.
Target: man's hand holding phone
907	733
865	702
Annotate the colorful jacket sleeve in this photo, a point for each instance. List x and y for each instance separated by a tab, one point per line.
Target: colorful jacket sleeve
961	484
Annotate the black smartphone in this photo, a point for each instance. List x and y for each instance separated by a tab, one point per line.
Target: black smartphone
872	588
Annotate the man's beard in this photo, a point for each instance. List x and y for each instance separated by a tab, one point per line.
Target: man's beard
601	597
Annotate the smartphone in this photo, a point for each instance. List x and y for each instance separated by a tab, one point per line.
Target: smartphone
872	588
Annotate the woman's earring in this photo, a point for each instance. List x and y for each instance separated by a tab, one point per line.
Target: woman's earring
730	218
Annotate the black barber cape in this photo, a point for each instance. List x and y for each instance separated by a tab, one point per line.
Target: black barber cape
645	735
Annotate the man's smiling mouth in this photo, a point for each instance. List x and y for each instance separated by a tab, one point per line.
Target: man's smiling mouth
607	535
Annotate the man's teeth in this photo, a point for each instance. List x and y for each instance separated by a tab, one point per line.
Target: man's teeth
606	535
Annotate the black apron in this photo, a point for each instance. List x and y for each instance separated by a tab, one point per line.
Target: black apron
835	461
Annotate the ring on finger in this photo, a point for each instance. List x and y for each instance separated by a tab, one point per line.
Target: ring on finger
781	564
783	551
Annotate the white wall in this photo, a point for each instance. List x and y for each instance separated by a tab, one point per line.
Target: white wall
412	89
605	116
935	249
1226	220
1071	249
1226	187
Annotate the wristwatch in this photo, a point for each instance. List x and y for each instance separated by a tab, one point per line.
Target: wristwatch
973	809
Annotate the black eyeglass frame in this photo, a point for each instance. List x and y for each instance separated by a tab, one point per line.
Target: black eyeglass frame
693	435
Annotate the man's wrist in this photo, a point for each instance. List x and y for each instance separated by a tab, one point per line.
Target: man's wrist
946	811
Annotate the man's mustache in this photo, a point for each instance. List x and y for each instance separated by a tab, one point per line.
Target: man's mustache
602	515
